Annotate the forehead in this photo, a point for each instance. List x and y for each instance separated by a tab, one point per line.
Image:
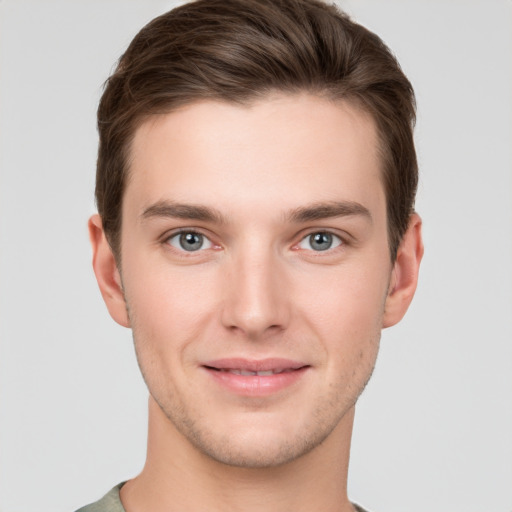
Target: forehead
281	151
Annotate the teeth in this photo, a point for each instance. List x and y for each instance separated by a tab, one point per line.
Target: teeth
241	372
260	374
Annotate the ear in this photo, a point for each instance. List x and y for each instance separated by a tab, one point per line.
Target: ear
107	273
404	276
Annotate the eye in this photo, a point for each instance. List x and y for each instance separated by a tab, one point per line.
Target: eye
189	241
320	241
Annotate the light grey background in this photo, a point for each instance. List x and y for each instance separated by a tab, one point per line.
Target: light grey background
433	429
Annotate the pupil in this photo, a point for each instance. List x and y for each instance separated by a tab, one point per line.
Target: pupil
321	241
191	241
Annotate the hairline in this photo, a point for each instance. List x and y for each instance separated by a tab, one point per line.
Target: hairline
325	92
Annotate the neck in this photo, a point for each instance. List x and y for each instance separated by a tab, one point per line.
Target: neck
177	477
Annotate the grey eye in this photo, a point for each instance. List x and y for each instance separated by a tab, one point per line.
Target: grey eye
189	241
321	241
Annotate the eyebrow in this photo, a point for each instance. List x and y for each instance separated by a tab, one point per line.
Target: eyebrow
173	210
316	211
330	209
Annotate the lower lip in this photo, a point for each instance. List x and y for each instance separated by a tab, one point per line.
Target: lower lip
257	385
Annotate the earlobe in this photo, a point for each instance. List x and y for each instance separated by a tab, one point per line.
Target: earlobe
107	273
404	277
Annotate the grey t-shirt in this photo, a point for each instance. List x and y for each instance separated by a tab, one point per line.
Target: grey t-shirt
111	502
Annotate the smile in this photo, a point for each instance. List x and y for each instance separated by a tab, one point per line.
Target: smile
255	378
253	373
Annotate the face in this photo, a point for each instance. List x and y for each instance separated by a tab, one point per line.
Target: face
255	270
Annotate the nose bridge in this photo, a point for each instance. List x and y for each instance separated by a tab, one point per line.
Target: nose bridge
256	297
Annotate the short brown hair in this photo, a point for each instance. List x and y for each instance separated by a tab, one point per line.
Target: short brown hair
241	50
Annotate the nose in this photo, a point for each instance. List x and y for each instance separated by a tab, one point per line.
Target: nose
256	295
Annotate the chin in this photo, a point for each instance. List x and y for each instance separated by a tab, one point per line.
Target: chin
248	444
255	452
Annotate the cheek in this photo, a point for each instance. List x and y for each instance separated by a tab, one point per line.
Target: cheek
167	306
346	298
164	323
345	311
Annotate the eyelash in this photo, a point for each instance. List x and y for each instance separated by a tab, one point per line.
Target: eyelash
335	239
188	231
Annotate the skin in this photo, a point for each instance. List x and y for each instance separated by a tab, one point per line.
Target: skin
257	182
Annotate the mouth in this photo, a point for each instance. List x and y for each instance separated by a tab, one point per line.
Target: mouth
263	373
255	377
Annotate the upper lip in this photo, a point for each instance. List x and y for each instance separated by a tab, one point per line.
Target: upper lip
254	365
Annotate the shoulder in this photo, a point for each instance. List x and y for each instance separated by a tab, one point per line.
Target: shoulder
111	502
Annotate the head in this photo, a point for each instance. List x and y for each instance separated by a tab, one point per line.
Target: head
256	180
238	51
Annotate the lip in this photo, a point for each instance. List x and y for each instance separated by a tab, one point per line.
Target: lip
240	376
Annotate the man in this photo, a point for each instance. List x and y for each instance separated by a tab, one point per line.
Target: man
256	231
